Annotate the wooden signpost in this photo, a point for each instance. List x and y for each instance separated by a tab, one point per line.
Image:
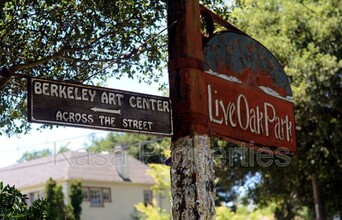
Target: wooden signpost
70	104
231	88
192	173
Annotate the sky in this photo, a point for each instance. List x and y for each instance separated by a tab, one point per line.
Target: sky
76	139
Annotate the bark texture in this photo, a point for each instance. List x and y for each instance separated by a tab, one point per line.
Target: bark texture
192	179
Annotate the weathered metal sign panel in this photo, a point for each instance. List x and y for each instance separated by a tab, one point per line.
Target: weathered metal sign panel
249	96
77	105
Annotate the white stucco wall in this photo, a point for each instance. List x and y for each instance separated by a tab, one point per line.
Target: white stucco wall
41	189
124	197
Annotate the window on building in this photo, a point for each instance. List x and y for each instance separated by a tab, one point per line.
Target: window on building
96	195
148	196
85	192
106	195
34	196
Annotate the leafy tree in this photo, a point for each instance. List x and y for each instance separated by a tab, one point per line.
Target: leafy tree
83	41
151	212
36	154
146	148
13	206
161	174
242	213
56	208
305	36
27	156
55	200
76	198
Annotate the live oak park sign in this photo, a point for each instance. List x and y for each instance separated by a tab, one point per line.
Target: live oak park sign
249	96
71	104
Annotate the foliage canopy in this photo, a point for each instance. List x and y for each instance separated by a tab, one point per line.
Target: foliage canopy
83	41
13	206
13	203
305	36
146	148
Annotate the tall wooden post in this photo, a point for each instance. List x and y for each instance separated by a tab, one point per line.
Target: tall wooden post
317	193
192	175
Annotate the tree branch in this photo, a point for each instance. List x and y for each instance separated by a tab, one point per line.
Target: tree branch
6	76
36	62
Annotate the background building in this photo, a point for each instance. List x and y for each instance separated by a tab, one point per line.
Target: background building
112	183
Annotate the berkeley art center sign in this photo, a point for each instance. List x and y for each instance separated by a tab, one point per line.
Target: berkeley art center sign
72	104
249	96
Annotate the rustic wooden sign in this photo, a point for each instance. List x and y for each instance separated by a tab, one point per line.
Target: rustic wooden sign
249	95
77	105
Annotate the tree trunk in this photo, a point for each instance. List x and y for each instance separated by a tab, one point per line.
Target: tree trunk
192	174
317	193
192	179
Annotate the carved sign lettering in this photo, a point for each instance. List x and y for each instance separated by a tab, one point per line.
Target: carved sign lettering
78	105
249	96
250	116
